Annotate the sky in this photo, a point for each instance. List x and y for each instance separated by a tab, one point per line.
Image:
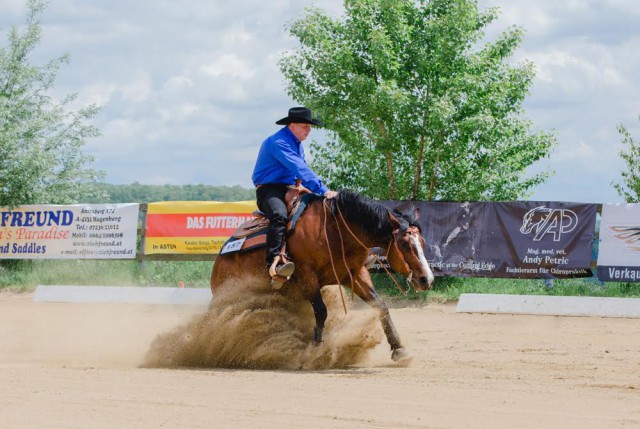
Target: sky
189	89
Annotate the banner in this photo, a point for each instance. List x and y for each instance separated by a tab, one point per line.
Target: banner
619	251
193	227
89	231
457	236
511	240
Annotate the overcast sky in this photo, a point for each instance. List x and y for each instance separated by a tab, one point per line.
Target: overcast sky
190	88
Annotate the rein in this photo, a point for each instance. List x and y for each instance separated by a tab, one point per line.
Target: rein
398	286
333	267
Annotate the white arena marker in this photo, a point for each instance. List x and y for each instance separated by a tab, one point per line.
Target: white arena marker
549	305
122	295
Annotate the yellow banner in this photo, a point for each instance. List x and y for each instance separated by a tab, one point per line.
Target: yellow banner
183	245
201	207
193	227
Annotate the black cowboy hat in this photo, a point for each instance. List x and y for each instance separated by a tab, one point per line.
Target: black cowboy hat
299	115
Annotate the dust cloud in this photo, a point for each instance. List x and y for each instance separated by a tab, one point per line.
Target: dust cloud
249	326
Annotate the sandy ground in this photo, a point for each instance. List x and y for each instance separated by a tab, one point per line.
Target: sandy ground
80	366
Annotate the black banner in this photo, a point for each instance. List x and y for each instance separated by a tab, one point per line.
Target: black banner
524	239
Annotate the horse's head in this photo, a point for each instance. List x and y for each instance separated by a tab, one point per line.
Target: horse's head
406	251
534	218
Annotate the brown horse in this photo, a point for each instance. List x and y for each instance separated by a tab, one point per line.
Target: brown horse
330	244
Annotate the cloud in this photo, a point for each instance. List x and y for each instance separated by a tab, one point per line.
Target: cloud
587	62
138	89
189	89
178	83
228	65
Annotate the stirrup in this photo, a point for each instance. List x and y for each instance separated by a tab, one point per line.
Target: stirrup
280	274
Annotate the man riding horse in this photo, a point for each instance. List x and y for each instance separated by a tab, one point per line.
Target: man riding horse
281	163
331	240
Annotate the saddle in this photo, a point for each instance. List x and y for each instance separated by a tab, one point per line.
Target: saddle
253	233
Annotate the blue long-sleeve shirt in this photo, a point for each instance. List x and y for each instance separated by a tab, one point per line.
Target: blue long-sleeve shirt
281	160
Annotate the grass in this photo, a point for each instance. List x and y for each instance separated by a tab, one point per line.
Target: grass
450	288
25	275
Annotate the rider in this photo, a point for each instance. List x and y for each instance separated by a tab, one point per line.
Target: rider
281	163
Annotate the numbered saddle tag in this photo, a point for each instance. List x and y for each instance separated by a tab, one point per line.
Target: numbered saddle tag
232	246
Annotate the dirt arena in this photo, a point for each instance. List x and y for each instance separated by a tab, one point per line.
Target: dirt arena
112	366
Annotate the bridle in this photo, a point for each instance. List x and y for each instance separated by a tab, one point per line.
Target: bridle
406	227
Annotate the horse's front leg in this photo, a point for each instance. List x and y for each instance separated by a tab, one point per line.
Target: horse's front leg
365	290
320	313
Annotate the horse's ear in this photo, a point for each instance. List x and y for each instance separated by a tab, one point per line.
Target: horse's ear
407	211
394	215
397	220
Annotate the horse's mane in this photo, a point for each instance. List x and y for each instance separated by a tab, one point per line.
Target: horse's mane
372	216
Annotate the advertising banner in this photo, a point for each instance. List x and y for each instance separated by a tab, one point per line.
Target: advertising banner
82	231
524	239
193	227
619	251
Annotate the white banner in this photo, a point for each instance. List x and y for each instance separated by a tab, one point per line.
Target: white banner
82	231
619	251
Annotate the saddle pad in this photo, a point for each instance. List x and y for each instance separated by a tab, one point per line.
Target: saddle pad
242	244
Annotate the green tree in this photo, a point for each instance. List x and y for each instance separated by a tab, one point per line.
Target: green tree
629	187
41	138
415	105
139	193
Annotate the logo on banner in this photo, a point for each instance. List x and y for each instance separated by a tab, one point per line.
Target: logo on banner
629	235
542	220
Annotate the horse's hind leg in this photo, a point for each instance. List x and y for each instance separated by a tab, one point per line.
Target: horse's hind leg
320	312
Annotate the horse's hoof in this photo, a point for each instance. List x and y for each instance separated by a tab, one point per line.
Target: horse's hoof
401	355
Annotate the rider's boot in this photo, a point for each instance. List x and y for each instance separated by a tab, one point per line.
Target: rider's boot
370	261
280	273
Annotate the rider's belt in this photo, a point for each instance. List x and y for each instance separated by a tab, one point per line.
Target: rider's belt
272	184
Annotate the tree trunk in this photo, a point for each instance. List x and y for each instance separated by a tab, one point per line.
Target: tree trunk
434	176
418	174
392	179
389	158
